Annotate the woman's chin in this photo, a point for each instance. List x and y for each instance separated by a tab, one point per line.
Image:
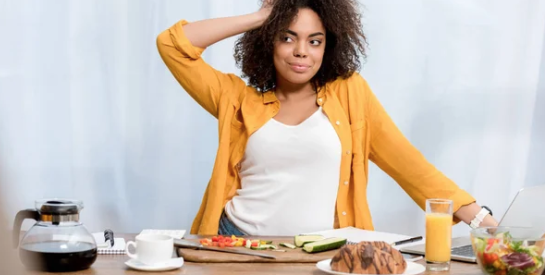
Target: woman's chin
298	79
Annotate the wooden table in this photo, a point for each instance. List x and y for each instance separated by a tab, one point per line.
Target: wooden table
114	265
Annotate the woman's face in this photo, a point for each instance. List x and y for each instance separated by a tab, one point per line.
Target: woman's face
298	52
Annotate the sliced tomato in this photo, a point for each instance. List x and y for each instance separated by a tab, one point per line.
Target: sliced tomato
490	257
491	242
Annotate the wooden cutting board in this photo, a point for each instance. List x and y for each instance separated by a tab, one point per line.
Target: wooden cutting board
290	256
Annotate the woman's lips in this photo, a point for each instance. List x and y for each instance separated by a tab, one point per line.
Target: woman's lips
300	68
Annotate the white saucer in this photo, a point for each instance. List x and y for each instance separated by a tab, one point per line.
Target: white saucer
412	268
173	263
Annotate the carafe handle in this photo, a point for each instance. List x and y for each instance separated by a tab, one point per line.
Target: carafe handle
19	218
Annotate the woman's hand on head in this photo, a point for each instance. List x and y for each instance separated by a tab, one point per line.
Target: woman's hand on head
266	8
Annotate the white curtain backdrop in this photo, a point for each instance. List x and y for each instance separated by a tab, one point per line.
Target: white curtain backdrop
89	111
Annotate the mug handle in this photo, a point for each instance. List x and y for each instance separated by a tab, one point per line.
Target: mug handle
133	256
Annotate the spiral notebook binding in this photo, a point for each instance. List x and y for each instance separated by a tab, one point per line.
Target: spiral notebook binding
104	244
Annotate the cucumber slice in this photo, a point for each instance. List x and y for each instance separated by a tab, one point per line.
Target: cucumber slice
301	240
288	245
271	246
324	245
258	247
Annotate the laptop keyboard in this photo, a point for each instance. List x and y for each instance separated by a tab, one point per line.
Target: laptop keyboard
466	251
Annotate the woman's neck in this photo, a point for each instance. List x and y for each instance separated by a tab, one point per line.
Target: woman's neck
289	91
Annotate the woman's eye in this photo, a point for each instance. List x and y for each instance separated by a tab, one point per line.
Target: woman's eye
315	42
287	39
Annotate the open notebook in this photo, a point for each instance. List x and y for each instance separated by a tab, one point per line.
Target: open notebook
353	234
104	247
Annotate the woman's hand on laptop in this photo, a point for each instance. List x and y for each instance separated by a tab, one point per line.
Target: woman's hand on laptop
489	221
468	212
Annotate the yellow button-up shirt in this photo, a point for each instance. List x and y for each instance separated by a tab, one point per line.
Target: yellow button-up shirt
364	128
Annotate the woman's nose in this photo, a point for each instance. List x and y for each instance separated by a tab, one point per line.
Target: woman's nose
300	50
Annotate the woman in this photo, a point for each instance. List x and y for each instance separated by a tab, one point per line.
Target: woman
295	141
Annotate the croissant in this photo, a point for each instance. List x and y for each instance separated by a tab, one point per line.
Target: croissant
368	258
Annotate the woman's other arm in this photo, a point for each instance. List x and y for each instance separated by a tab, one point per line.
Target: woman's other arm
395	155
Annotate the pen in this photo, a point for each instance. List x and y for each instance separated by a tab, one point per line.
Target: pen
410	240
109	235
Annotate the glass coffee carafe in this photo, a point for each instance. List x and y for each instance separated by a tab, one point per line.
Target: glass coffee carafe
57	242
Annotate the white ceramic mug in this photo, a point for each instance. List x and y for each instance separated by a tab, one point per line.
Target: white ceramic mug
151	249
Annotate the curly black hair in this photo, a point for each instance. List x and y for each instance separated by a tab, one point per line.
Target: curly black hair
344	41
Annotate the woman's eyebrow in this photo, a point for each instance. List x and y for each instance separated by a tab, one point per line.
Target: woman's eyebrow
313	34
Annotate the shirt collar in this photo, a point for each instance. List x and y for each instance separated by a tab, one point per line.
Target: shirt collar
269	96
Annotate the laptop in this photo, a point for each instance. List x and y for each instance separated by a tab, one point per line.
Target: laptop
526	210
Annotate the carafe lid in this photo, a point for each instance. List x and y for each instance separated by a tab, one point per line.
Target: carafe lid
59	206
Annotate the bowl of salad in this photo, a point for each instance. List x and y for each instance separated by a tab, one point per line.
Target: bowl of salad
509	250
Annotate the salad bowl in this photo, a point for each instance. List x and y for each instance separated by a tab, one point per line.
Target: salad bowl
509	250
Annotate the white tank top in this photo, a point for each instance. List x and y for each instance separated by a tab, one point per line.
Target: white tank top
289	179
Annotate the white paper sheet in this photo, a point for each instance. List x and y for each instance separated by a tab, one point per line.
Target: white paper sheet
353	234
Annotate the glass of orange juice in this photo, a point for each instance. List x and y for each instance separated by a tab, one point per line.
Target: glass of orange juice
438	234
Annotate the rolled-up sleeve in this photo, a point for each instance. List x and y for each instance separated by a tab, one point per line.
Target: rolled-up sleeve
201	81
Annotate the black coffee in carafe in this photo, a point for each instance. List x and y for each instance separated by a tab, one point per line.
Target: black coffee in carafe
58	242
56	256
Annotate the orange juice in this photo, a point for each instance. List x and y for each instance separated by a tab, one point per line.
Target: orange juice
438	237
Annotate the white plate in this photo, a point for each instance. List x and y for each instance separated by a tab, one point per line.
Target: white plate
168	265
412	268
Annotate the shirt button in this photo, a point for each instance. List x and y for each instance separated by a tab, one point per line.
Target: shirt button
346	183
344	213
320	100
348	152
338	122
